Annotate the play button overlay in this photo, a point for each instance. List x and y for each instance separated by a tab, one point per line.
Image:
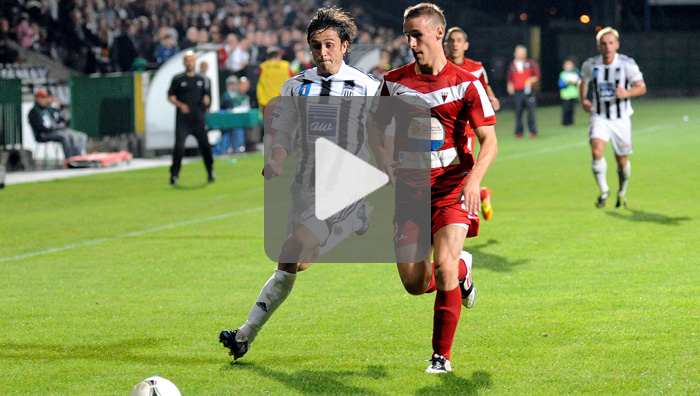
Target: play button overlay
325	199
342	179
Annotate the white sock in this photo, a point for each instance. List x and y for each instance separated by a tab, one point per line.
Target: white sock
600	167
624	176
271	296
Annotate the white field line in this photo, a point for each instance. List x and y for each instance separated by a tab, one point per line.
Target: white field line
129	234
642	131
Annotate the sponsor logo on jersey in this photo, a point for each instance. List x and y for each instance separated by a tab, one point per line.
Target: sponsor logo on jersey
418	137
437	134
606	91
323	120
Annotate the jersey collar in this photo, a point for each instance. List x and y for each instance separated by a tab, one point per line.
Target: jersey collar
341	69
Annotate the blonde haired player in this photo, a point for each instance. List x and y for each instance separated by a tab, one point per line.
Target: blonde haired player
611	79
456	98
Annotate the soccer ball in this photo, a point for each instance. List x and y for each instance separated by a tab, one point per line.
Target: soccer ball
155	386
571	78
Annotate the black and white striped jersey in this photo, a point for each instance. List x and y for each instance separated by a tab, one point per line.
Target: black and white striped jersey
602	81
334	107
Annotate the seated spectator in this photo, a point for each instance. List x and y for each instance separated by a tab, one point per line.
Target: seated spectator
166	49
234	100
48	125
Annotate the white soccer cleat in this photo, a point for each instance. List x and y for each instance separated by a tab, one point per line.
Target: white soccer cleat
467	285
439	365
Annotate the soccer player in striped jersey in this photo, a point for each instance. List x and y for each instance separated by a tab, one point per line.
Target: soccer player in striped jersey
329	35
611	79
456	45
455	98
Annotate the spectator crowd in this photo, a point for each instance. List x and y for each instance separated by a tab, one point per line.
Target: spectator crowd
103	36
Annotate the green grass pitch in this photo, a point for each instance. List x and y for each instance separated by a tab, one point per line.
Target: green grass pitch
108	279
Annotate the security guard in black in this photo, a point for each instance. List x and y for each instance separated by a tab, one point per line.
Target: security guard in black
190	94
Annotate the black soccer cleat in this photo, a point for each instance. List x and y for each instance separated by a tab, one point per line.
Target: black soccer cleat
236	349
173	180
621	202
600	202
210	177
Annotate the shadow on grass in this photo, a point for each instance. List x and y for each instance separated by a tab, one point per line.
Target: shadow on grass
454	385
124	350
180	186
491	261
646	217
317	382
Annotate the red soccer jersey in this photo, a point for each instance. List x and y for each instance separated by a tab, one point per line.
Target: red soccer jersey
475	68
456	98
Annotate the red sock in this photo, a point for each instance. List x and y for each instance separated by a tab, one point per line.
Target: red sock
482	194
462	274
448	306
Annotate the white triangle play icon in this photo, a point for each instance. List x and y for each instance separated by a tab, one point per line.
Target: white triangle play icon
342	178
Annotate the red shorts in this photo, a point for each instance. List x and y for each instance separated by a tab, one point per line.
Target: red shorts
408	232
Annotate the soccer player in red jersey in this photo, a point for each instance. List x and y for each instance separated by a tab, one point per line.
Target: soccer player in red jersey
456	98
456	45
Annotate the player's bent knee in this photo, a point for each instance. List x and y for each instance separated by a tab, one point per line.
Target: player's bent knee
303	266
414	288
299	247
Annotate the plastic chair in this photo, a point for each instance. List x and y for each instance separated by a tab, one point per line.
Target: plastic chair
46	160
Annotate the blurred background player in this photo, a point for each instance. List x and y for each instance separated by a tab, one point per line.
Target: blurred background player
614	79
329	35
523	73
456	45
456	97
189	92
568	91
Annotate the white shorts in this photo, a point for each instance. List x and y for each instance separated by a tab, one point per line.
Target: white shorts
329	232
619	131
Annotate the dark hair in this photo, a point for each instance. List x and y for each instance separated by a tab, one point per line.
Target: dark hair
336	19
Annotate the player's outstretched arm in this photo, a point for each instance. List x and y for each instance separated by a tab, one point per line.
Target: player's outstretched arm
488	148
